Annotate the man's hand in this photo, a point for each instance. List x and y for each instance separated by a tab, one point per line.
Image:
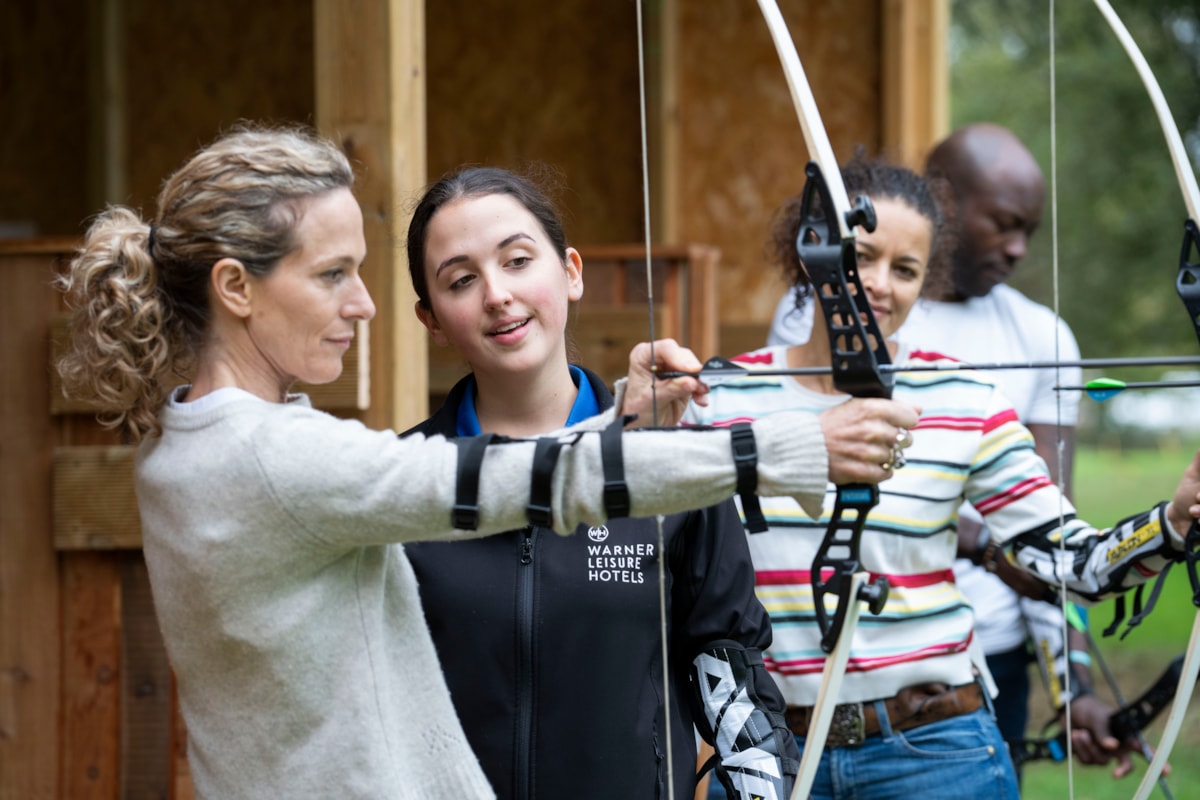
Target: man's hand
1092	741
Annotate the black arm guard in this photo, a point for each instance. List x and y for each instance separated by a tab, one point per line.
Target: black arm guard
756	755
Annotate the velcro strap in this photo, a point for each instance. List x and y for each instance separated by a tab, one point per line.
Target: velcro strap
616	492
541	484
745	460
1118	616
1139	611
465	514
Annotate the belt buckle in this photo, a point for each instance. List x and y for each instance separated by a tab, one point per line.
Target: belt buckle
848	727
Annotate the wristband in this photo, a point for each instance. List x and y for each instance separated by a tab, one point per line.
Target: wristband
1081	657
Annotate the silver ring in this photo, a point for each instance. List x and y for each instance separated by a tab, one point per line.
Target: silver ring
898	458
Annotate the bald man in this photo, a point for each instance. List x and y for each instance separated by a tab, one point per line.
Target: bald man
1000	193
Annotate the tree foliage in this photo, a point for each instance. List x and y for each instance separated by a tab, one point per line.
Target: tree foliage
1119	206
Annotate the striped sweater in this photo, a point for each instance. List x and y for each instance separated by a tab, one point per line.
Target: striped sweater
968	445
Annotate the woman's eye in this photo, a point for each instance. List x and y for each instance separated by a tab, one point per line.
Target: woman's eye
519	261
334	275
462	282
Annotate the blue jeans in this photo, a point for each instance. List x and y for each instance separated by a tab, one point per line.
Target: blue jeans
956	758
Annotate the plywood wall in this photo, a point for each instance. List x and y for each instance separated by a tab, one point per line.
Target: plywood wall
510	84
110	96
194	67
738	148
44	90
506	87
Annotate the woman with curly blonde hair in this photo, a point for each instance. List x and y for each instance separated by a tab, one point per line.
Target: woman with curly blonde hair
290	615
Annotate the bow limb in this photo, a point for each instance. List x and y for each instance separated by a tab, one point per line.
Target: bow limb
815	137
1179	157
1183	694
827	250
1186	285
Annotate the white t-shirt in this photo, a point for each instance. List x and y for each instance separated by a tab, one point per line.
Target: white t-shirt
1005	326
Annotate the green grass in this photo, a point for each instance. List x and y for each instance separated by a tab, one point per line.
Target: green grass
1108	486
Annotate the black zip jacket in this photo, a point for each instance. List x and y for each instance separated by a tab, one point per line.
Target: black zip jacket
551	646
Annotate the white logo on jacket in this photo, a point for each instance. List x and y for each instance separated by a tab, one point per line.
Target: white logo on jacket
618	563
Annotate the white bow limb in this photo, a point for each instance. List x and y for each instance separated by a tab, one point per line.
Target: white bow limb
820	151
1191	198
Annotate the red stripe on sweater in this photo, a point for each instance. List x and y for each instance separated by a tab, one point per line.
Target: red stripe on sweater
1003	418
950	423
756	358
783	577
1012	495
931	355
811	666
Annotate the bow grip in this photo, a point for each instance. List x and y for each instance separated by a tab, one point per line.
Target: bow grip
838	558
1125	723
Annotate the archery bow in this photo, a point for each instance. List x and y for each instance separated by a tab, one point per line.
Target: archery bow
1126	723
1188	285
826	246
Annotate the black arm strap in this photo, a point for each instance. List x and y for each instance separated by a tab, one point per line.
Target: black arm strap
465	514
616	492
745	459
541	484
1140	611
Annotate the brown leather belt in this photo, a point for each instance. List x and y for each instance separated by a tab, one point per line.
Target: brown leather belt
910	708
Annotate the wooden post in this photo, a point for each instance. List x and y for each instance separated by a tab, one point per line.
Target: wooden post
30	671
915	77
370	96
90	743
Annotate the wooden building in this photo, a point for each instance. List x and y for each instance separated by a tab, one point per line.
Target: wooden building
106	97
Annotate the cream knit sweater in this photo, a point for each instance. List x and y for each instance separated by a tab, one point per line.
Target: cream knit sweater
291	615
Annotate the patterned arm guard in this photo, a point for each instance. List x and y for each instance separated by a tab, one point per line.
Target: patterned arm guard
1099	564
756	755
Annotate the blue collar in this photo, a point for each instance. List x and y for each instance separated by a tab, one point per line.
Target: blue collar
586	405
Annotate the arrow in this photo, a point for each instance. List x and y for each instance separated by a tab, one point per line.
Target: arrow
1102	389
718	368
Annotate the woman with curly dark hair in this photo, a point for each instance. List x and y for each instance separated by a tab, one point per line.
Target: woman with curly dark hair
914	716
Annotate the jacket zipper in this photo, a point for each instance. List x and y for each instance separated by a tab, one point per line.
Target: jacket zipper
524	771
